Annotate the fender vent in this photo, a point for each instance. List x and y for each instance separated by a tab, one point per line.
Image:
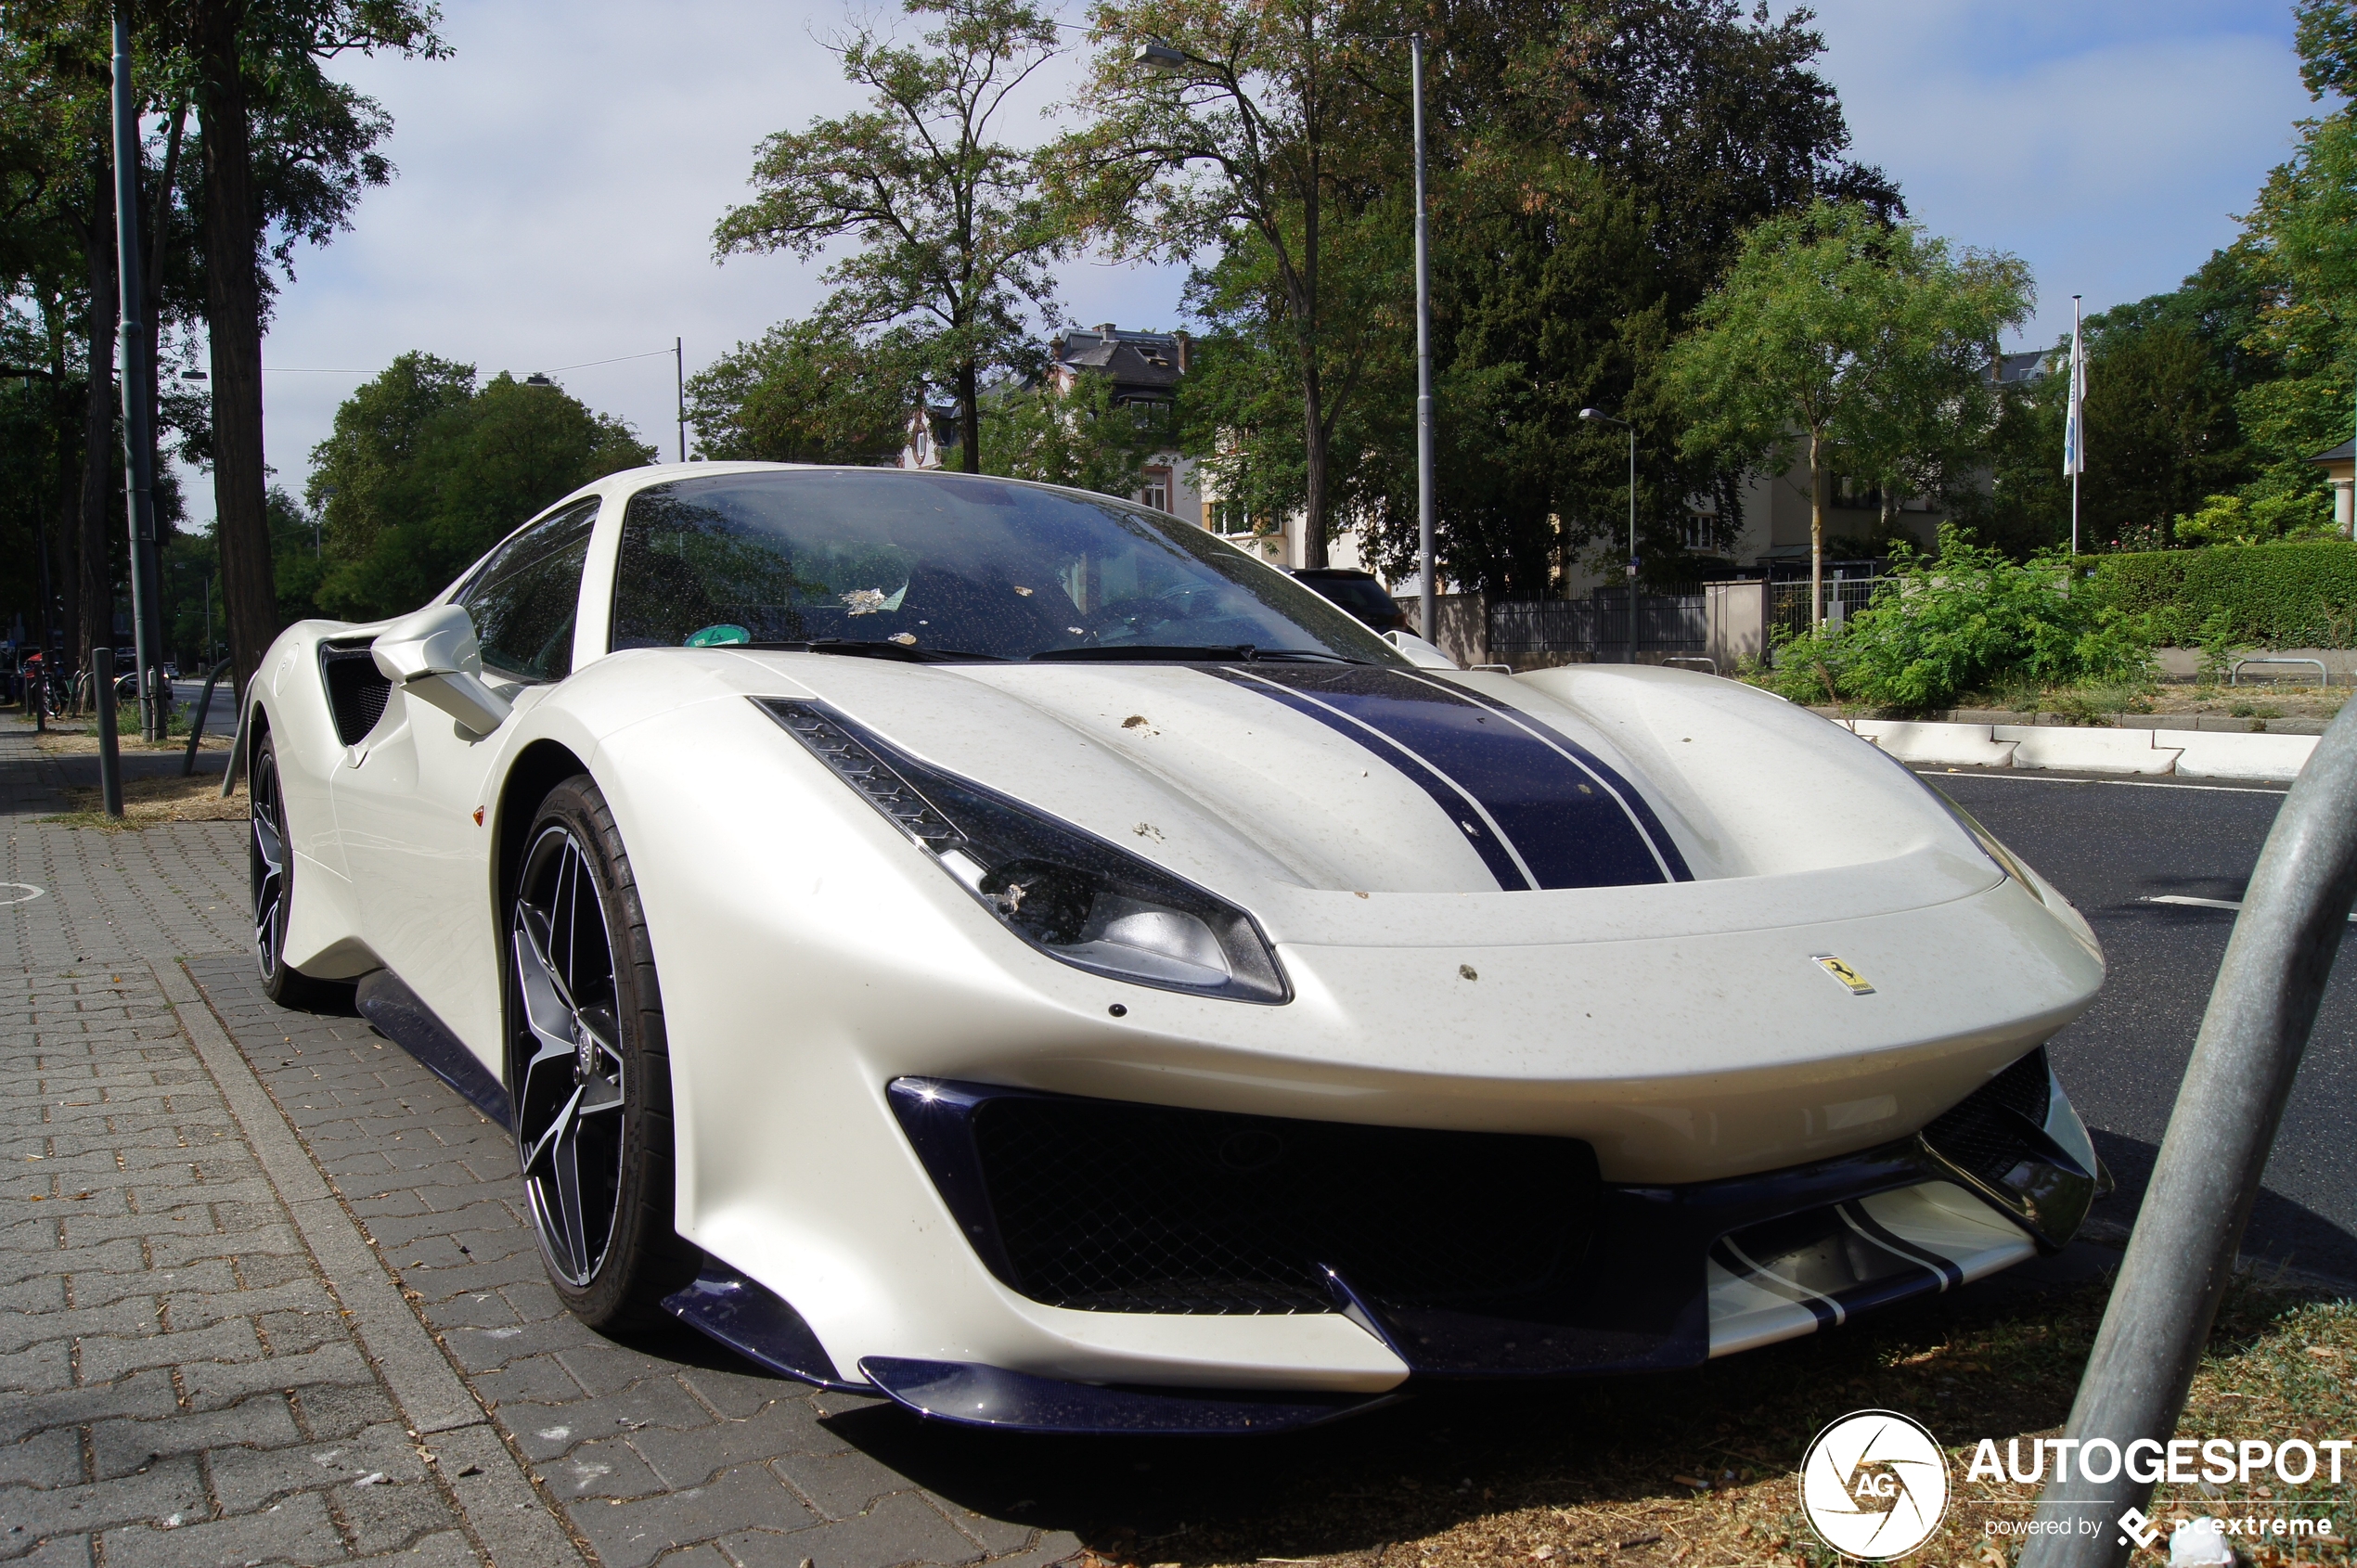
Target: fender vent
356	690
1979	1138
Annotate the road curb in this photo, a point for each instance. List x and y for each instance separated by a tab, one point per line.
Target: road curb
2185	752
481	1479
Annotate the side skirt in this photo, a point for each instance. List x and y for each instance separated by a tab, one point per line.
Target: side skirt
400	1017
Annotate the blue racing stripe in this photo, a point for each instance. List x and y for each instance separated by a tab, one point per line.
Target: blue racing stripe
1673	863
1446	795
1559	813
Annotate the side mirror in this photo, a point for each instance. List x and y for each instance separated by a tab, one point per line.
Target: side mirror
1422	654
433	656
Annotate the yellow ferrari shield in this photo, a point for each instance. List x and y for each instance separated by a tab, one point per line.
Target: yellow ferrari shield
1858	984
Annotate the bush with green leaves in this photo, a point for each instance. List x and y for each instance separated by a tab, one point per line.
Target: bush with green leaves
1967	619
2298	594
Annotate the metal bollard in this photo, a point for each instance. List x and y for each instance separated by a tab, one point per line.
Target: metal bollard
2182	1252
196	726
109	753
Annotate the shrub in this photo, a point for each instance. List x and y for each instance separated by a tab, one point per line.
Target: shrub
1967	619
2293	595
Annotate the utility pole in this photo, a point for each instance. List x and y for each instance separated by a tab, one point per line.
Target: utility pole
679	365
1423	354
138	433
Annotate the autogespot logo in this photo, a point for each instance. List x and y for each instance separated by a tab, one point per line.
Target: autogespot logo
1874	1486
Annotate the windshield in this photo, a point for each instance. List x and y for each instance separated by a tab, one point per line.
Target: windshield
951	565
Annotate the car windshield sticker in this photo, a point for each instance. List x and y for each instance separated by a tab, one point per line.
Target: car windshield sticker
1541	811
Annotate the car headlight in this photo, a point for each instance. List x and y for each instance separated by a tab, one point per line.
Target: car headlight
1071	895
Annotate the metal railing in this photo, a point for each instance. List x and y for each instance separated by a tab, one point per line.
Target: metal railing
1599	624
1847	593
2206	1180
2323	677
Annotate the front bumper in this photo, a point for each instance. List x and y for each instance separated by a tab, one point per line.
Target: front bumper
1462	1255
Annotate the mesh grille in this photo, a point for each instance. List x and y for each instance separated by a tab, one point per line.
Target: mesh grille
357	691
1129	1208
1980	1139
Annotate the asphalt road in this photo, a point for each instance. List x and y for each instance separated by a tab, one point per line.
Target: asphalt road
2112	847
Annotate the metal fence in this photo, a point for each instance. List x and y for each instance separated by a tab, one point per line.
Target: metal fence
1847	593
1598	625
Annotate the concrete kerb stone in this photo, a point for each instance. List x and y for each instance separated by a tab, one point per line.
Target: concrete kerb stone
2122	750
482	1478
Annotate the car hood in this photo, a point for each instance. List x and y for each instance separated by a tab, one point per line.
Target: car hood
1583	804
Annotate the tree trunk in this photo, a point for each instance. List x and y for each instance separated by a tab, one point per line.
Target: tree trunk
1313	521
970	416
233	311
94	582
1816	533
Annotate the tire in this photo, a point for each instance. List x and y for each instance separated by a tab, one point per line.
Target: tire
588	1069
271	866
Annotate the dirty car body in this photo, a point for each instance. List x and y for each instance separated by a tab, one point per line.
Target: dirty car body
1104	987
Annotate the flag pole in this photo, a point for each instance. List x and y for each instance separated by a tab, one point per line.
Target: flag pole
2077	421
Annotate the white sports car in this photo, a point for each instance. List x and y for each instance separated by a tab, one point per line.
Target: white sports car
1006	950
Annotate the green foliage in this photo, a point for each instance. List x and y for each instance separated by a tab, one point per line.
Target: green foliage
1081	438
1967	619
950	231
1858	347
804	392
2232	520
2296	595
424	473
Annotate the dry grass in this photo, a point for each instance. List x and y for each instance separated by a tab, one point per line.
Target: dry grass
84	742
1700	1470
149	802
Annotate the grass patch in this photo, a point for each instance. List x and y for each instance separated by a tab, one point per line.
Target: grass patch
83	742
1702	1468
148	802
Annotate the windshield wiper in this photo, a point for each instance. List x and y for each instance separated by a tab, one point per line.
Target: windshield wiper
863	647
1241	652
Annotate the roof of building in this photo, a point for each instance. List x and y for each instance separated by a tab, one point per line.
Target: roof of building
1142	364
2341	454
2014	370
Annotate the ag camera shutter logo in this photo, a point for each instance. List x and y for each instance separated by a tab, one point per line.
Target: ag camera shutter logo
1874	1486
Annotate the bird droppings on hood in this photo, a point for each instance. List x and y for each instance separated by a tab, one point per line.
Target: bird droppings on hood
1467	971
1023	591
1148	831
1357	895
1138	722
906	639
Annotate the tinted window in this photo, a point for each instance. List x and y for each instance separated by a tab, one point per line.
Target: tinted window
524	599
951	564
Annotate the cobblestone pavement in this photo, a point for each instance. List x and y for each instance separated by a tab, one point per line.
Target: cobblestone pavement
269	1295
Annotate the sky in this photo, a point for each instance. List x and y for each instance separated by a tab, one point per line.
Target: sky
560	174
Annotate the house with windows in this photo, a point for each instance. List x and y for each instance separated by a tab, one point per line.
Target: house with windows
1146	368
2340	465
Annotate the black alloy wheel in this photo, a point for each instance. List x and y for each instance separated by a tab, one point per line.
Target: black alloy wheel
271	863
587	1069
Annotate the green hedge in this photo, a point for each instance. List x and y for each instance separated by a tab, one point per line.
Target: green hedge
2282	595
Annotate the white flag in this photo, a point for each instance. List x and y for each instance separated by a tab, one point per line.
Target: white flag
2074	421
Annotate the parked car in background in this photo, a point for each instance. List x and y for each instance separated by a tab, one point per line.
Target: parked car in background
1361	593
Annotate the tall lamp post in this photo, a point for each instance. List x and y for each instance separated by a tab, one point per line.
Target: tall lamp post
1597	416
1156	54
138	431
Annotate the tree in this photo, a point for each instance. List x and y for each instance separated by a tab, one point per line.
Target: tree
804	393
953	236
1264	132
1862	344
1080	437
285	153
423	474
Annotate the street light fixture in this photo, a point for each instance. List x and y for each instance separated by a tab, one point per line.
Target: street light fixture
1597	416
1156	54
537	380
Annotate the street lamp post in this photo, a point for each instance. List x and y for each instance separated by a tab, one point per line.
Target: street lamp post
139	428
1598	416
1156	54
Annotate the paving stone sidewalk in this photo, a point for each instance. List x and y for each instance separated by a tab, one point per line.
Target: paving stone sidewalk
273	1297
